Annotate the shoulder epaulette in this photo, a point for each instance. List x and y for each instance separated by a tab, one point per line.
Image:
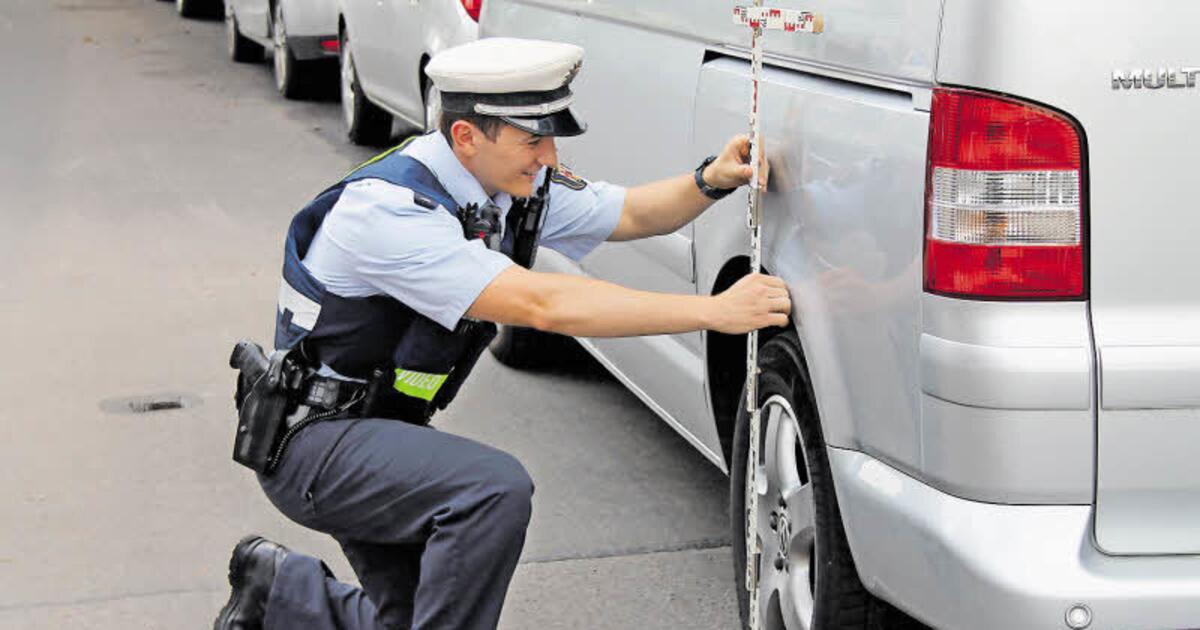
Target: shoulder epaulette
424	202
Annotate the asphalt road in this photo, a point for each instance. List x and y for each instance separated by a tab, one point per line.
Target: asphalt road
147	183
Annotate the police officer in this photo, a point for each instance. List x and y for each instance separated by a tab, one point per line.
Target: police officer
393	279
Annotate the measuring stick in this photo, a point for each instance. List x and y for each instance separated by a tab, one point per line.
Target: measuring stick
759	19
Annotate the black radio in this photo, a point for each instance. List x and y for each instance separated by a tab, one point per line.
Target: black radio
531	216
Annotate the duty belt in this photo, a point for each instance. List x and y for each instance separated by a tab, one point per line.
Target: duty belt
330	393
277	396
334	398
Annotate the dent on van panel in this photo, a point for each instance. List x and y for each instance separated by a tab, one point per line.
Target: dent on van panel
842	226
847	226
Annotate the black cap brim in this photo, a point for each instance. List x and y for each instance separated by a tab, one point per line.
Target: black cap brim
561	123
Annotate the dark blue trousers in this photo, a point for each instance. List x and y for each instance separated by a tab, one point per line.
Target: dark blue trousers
432	523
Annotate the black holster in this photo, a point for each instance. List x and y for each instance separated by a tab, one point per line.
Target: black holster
266	394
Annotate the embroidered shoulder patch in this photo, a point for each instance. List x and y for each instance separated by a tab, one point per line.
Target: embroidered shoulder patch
563	175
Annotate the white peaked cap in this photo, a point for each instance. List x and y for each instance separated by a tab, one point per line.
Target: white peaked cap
498	65
525	82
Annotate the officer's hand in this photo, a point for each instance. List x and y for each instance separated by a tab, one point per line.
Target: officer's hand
732	166
756	301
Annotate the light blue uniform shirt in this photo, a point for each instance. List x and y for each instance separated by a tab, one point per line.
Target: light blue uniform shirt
377	241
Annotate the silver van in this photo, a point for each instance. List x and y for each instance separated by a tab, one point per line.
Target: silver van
987	410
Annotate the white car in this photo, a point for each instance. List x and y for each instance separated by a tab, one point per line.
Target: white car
302	35
385	45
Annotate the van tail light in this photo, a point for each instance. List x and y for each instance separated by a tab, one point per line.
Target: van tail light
473	7
1003	199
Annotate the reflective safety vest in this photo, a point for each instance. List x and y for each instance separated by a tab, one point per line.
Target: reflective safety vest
364	337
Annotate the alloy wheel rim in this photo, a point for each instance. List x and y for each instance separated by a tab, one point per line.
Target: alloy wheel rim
230	34
279	40
786	521
347	84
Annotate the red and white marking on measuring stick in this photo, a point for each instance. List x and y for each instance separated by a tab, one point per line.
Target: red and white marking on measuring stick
787	20
760	18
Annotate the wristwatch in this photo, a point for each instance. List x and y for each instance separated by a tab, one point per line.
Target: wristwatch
709	191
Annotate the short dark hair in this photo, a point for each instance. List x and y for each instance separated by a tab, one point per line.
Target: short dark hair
489	125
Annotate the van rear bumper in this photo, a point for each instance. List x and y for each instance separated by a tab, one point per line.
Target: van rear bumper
954	563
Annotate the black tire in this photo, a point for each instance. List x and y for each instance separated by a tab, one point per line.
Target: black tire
366	123
241	49
188	8
838	599
199	8
294	79
525	348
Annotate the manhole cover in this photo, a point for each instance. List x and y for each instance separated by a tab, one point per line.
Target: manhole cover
149	403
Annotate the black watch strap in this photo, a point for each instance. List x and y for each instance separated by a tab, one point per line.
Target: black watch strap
709	191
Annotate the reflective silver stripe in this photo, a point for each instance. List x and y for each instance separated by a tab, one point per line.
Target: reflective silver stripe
541	109
304	311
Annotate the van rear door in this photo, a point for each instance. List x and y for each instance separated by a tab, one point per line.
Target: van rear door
1129	73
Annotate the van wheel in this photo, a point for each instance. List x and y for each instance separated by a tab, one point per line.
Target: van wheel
366	123
524	348
241	48
807	577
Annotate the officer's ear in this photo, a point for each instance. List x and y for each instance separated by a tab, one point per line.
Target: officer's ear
465	136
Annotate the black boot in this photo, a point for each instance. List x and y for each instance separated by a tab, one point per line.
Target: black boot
251	570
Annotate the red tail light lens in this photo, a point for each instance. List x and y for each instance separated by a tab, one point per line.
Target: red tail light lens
473	7
330	44
1004	200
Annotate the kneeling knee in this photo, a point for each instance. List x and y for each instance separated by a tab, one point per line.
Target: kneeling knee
512	486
